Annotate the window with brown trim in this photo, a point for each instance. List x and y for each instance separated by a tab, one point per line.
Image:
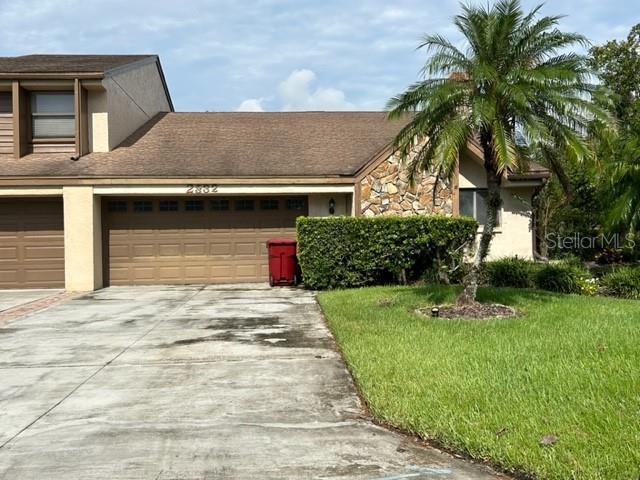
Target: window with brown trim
269	204
142	206
117	206
219	204
245	204
168	206
295	204
5	103
194	205
52	116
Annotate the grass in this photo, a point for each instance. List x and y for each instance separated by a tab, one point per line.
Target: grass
492	389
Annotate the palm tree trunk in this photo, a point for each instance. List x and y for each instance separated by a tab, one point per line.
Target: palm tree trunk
494	202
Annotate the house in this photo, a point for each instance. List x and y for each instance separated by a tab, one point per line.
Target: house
102	183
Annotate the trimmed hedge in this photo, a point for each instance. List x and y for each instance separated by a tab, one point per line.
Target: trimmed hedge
510	272
561	278
623	282
342	252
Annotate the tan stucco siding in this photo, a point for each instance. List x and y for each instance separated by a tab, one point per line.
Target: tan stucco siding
98	121
514	236
82	239
319	204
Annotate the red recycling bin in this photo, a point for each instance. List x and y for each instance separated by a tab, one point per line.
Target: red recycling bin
282	261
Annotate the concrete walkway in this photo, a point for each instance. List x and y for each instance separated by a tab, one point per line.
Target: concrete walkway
191	383
15	298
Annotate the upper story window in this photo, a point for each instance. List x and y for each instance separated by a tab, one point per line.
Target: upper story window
473	203
52	115
5	103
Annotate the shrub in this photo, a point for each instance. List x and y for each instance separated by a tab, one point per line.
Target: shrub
561	278
341	252
624	282
510	272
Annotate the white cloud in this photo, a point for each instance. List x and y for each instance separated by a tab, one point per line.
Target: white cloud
251	105
297	94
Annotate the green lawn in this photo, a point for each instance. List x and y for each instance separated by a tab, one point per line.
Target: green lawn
569	367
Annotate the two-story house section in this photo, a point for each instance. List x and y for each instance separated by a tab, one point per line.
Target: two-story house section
55	109
102	183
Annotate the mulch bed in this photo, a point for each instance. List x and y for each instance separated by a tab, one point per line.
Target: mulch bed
475	311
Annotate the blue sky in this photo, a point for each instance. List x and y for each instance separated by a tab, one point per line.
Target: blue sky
222	55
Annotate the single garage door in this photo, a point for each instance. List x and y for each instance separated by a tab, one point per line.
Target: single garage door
31	243
155	241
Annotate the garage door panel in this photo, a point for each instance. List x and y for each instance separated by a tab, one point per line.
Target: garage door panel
192	247
43	252
8	253
169	250
246	248
31	243
195	249
143	250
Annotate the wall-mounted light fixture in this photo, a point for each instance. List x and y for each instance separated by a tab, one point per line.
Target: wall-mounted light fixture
332	206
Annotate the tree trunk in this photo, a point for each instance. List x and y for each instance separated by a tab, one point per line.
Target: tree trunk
494	202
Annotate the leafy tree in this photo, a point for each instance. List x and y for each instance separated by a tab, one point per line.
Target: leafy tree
514	80
618	65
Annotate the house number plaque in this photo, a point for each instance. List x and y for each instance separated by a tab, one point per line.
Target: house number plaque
201	189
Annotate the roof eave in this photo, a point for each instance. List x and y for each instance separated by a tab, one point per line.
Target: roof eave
52	76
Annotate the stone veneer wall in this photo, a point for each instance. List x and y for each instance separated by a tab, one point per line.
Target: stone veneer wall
386	191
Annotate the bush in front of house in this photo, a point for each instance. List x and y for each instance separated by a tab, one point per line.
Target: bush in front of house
623	282
510	272
342	252
563	277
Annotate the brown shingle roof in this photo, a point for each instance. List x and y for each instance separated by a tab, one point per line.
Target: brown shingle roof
235	145
309	144
67	64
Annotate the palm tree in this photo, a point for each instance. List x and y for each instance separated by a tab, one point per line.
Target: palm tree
514	85
624	177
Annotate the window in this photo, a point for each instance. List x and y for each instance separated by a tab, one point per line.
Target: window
5	103
168	206
117	206
473	203
295	204
52	115
245	205
219	204
269	204
142	206
194	205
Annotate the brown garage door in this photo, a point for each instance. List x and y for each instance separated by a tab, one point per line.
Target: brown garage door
153	241
31	244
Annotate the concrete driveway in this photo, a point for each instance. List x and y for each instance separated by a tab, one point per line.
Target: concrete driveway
191	383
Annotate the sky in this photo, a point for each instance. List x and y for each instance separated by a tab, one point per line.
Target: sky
272	55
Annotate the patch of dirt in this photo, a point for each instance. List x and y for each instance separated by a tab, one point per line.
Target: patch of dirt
475	311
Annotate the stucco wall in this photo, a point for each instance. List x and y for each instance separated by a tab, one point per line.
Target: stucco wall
129	100
82	239
319	204
98	120
514	236
386	190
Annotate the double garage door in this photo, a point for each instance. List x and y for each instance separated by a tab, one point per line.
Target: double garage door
31	244
151	241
